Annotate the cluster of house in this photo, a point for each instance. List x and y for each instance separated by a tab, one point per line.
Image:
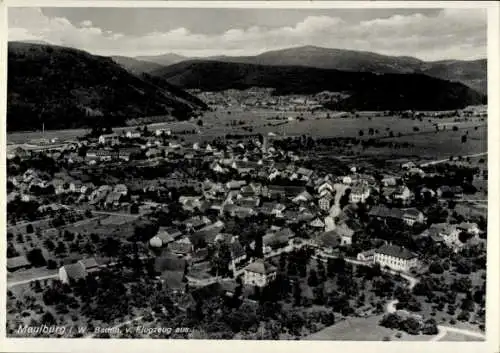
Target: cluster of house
264	180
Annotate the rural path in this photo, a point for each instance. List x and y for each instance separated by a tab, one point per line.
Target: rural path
56	275
29	280
107	213
447	160
442	330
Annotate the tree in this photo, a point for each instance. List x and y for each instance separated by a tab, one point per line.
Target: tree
436	268
455	128
29	228
221	260
48	319
134	209
51	264
430	327
199	122
464	138
36	258
361	133
312	281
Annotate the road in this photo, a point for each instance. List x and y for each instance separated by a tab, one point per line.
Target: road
26	281
442	330
56	275
447	160
107	213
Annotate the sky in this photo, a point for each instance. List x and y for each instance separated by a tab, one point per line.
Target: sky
428	34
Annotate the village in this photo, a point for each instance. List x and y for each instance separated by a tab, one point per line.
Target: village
246	220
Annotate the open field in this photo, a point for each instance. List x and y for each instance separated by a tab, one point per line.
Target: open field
262	121
446	143
362	329
70	134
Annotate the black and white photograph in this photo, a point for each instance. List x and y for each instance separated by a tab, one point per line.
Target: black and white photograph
249	173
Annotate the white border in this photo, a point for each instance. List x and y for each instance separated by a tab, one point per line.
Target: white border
493	284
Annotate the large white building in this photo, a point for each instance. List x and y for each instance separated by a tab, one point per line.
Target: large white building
395	257
259	273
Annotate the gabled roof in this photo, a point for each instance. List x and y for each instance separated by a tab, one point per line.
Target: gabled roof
329	239
317	223
343	230
89	263
236	249
385	212
396	251
411	212
75	271
165	237
260	266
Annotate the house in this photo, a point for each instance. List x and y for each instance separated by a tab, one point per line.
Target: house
59	186
259	273
17	263
182	247
389	181
133	134
457	191
90	265
325	186
196	223
303	197
426	192
324	201
469	228
317	223
78	270
345	233
160	132
326	241
235	184
303	174
408	165
108	139
276	240
121	189
395	257
402	194
238	253
113	199
445	191
412	216
366	256
416	171
347	180
444	232
359	194
381	212
162	238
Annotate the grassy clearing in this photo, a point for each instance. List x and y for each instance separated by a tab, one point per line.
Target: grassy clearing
362	329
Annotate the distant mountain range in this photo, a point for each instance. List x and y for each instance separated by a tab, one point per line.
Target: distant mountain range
471	73
365	90
164	59
69	88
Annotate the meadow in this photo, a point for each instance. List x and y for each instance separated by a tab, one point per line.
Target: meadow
426	142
